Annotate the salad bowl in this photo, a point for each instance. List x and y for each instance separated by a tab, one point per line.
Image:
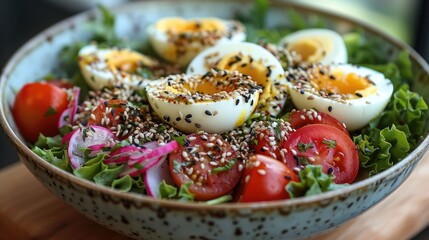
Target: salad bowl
139	216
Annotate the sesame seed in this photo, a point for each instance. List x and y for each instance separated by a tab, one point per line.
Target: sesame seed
247	178
92	116
240	167
210	145
261	171
202	166
312	159
184	154
294	152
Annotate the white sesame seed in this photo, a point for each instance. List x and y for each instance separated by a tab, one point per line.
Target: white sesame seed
192	138
247	178
228	154
294	152
210	145
257	163
184	154
189	171
202	166
240	167
92	116
312	159
296	169
213	163
261	171
302	117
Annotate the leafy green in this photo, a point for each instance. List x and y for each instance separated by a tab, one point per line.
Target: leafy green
363	49
408	111
381	149
259	13
184	193
312	182
48	142
91	168
123	184
107	174
55	155
167	191
221	199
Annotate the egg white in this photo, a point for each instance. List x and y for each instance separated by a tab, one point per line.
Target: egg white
273	96
163	44
354	112
93	63
329	45
212	116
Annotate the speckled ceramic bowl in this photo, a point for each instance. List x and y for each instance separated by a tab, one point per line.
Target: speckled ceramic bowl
143	217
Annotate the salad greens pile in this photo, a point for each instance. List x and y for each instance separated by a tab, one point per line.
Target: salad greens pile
385	141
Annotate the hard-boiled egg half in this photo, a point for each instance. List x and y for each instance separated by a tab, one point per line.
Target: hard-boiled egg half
352	94
102	67
316	46
249	59
216	102
179	40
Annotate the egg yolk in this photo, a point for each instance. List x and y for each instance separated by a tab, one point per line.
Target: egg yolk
210	87
128	61
339	82
245	64
311	50
180	25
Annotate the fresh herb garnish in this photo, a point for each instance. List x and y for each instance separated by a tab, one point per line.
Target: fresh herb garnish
225	167
181	140
51	111
330	143
303	147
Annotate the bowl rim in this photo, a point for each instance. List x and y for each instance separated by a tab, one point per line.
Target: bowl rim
310	200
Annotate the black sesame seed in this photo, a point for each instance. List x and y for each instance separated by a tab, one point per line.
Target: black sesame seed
301	91
359	94
188	120
237	101
178	119
197	125
332	77
330	170
251	102
105	103
207	112
189	116
288	178
330	108
244	65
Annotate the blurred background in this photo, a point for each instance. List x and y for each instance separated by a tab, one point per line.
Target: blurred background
21	19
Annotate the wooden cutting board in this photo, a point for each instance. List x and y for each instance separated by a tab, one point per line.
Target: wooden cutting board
30	211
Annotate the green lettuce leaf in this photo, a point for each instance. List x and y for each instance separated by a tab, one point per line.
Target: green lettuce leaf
381	149
107	174
91	168
123	184
167	191
312	182
48	142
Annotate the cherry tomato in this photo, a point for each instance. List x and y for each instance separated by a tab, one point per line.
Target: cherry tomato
268	135
325	145
114	115
62	83
265	179
207	162
301	118
37	109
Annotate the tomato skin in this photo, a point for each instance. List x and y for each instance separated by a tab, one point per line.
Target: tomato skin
118	107
304	117
37	109
325	145
265	179
61	83
205	184
269	138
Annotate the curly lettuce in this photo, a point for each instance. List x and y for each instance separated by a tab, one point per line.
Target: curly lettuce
312	182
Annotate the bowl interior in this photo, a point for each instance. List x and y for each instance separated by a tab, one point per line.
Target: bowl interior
39	57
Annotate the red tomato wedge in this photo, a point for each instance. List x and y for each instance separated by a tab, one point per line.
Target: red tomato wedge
269	135
116	106
325	145
265	179
207	162
304	117
37	109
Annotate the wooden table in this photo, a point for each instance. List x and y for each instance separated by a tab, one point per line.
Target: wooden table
30	211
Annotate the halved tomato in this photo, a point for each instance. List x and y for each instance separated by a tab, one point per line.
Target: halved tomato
209	163
265	179
300	118
325	145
